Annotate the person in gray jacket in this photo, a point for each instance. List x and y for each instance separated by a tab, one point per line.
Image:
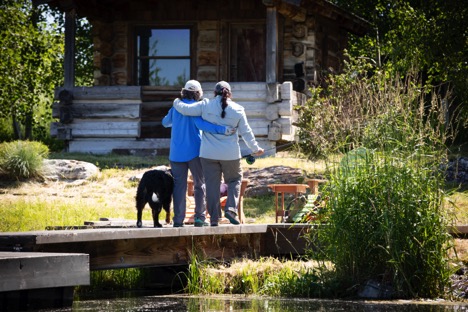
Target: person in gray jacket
220	154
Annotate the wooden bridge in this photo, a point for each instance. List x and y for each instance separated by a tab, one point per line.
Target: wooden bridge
45	266
40	269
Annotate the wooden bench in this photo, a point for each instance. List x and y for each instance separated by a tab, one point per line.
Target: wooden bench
190	210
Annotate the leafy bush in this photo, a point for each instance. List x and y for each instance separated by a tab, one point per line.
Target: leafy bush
365	106
387	224
22	159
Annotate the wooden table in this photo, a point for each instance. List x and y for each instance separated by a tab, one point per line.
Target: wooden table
295	189
314	185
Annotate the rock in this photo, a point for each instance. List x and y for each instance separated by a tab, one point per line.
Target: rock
456	170
64	169
261	178
376	290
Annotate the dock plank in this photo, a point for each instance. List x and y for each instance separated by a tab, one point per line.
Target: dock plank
112	248
33	270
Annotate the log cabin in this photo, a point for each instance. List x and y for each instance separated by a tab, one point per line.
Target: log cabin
270	51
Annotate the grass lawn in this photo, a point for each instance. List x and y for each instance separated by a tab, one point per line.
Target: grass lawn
35	205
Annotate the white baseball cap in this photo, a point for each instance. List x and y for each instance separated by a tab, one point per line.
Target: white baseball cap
193	85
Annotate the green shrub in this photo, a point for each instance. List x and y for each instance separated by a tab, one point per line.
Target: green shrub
22	159
387	224
385	198
365	106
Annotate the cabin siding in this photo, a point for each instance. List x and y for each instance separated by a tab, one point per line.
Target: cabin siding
317	42
303	41
111	119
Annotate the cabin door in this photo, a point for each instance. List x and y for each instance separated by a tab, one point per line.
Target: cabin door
247	52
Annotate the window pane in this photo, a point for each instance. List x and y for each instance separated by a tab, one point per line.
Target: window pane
168	72
169	42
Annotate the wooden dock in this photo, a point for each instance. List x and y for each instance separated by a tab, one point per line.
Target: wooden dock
49	263
41	268
40	280
114	248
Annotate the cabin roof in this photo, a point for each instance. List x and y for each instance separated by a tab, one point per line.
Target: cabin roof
293	9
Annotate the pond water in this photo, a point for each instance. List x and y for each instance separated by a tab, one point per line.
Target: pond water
241	303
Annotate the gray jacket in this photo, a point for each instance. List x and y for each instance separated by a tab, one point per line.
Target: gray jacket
220	146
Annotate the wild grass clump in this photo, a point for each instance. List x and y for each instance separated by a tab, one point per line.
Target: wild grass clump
265	276
387	224
365	106
22	159
386	201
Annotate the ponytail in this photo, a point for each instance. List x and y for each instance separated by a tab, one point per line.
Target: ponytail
225	94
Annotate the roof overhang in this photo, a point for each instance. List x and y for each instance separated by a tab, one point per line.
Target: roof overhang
296	10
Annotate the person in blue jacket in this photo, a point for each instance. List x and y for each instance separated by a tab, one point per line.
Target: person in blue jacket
186	134
220	155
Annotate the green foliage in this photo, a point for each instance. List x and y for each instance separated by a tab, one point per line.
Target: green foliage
387	223
22	159
430	34
368	107
29	67
385	198
84	66
113	280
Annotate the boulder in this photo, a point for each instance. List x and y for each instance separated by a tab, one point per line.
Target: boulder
64	169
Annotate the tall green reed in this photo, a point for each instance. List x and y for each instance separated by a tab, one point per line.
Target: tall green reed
387	224
385	197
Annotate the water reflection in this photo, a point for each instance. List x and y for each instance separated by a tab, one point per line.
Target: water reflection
232	304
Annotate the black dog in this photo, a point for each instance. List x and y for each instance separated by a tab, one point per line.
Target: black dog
155	188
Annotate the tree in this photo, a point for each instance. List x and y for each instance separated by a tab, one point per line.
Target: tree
84	66
29	67
428	35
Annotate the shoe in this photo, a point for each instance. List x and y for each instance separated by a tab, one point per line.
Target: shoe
231	216
176	225
214	224
200	223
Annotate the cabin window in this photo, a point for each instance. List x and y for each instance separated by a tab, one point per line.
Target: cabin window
162	56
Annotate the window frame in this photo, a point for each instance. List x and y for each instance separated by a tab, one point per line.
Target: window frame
138	29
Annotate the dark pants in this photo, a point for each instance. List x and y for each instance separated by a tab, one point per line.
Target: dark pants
213	171
180	174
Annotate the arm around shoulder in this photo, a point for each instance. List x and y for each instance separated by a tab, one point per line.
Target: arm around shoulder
194	109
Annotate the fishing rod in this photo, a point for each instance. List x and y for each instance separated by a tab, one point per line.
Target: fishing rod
250	159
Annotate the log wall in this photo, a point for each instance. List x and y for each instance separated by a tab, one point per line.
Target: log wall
316	38
310	36
112	119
